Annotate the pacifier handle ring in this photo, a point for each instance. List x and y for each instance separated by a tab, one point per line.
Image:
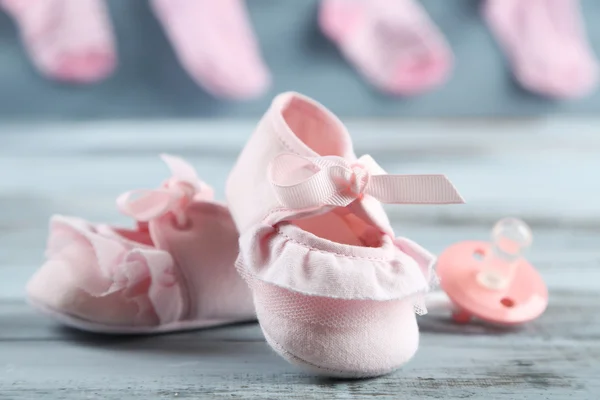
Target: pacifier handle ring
510	238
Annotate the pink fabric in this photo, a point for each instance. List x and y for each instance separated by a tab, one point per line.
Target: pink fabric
423	258
334	291
216	45
175	269
546	45
105	277
361	338
174	197
393	43
304	183
303	262
68	40
293	124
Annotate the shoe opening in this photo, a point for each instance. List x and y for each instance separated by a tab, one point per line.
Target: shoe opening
342	226
318	128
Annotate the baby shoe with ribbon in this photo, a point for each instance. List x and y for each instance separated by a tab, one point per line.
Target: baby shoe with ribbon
335	290
174	271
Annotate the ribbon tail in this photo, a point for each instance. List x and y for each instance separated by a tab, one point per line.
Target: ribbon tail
413	189
180	168
144	205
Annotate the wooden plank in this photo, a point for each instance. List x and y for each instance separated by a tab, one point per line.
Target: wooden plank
552	358
555	357
494	163
547	360
566	258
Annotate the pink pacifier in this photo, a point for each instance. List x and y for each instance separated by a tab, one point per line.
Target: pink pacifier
492	281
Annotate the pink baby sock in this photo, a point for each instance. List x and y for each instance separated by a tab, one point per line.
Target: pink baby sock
216	45
68	40
546	44
393	43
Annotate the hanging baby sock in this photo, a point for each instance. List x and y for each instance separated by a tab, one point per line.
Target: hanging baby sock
68	40
393	43
216	45
546	45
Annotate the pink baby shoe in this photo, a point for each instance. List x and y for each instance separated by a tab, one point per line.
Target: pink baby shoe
175	271
335	291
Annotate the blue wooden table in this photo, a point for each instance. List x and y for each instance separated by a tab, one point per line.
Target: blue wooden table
544	171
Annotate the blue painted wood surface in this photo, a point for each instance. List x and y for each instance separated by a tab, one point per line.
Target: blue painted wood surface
541	170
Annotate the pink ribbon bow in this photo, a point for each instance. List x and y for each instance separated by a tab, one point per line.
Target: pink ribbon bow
307	182
174	196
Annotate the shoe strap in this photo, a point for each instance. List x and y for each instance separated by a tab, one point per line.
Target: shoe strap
173	197
310	182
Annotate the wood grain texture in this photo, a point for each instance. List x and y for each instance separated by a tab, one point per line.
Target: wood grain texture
555	357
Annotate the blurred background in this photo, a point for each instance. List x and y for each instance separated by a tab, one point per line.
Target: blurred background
149	82
71	144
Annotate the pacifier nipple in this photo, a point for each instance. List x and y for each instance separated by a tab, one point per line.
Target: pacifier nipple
510	238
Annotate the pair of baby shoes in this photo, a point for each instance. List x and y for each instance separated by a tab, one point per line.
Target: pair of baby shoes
334	290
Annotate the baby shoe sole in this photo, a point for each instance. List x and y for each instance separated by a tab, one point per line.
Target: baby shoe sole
82	324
